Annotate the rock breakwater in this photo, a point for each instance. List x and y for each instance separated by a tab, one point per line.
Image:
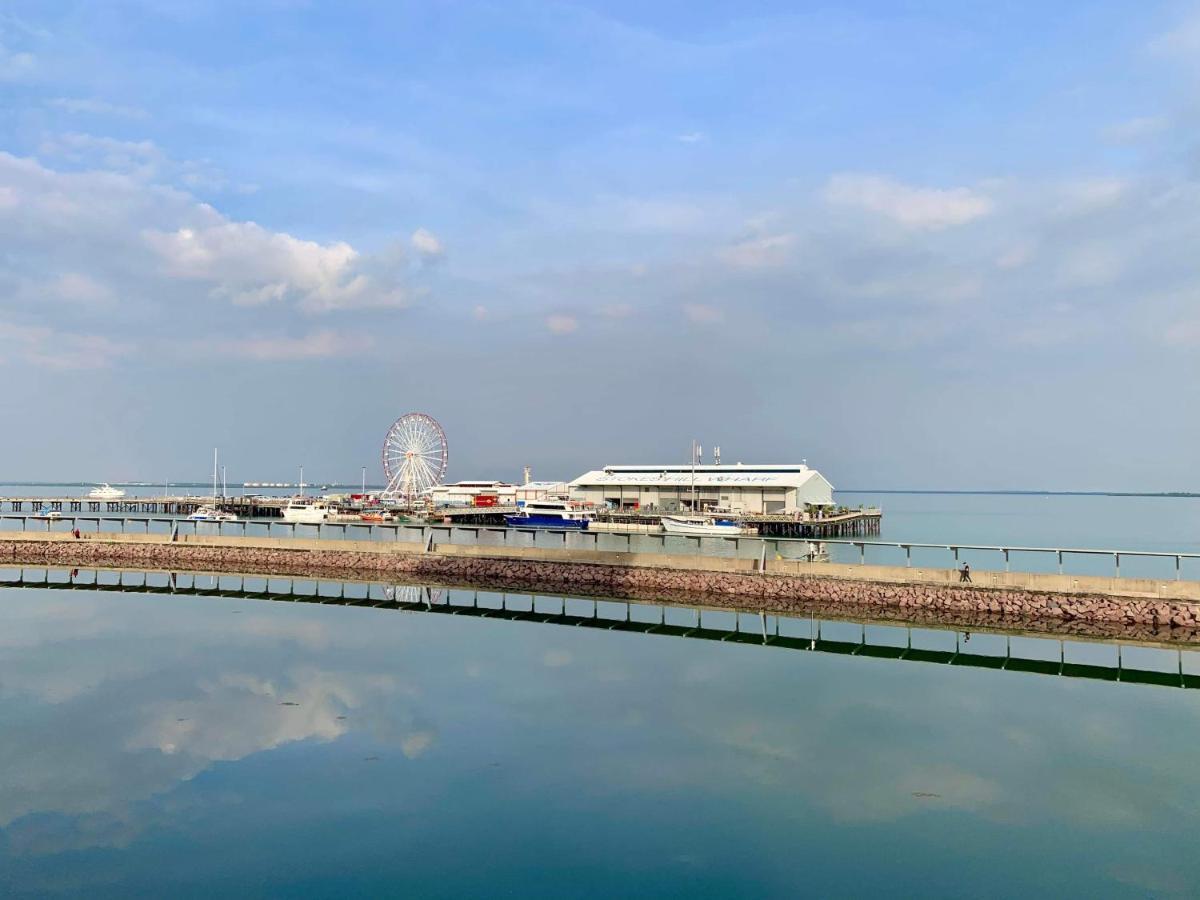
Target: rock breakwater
1079	613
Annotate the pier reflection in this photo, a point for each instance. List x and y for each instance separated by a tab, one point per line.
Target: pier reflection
1129	662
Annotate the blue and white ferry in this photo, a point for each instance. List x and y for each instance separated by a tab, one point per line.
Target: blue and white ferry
550	514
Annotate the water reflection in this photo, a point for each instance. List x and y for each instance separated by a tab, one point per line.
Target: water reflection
153	742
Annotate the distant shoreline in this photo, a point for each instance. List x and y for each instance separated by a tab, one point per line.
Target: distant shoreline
1182	494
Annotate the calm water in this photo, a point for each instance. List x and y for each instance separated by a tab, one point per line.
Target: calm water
185	745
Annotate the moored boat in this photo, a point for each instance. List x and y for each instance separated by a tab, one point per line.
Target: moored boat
307	511
551	514
709	525
373	515
106	491
212	514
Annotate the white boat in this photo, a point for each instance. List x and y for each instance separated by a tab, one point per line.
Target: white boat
307	511
711	525
106	492
212	514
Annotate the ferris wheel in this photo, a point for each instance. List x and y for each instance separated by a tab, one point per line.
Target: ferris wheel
414	456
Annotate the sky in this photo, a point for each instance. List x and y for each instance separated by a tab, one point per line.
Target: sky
918	244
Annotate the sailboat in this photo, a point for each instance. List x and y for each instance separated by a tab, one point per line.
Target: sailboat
210	512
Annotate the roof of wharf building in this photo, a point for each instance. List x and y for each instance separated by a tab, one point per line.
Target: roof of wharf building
754	476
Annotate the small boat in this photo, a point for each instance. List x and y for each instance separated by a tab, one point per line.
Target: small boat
551	514
307	511
709	525
106	491
375	515
212	514
47	513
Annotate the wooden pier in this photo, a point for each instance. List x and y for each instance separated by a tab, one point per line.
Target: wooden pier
245	507
848	524
852	523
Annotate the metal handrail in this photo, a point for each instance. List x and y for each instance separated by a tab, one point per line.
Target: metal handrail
563	533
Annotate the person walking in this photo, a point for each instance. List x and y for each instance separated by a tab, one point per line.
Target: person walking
964	574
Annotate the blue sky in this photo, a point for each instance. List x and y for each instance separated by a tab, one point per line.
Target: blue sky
918	244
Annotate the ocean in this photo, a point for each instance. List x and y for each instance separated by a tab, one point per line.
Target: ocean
186	744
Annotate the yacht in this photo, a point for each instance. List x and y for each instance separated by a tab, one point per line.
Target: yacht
551	514
307	511
212	514
106	492
705	525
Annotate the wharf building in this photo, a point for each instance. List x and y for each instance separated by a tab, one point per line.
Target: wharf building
495	493
748	489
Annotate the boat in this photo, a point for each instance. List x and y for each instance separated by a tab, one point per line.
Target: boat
212	514
705	525
550	514
106	491
47	513
307	511
373	515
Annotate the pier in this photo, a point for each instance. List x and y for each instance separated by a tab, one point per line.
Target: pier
247	507
1075	603
851	523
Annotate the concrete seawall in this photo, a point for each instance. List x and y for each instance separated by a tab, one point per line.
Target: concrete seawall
785	585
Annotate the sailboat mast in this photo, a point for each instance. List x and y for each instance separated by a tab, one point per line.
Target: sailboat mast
214	473
693	476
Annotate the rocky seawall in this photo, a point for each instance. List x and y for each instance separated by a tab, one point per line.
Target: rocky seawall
786	594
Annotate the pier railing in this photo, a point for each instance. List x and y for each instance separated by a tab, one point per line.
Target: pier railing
1156	564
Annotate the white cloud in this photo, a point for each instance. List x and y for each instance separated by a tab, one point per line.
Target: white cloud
911	207
151	253
758	252
702	314
690	137
562	324
417	743
427	244
250	265
142	159
317	345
